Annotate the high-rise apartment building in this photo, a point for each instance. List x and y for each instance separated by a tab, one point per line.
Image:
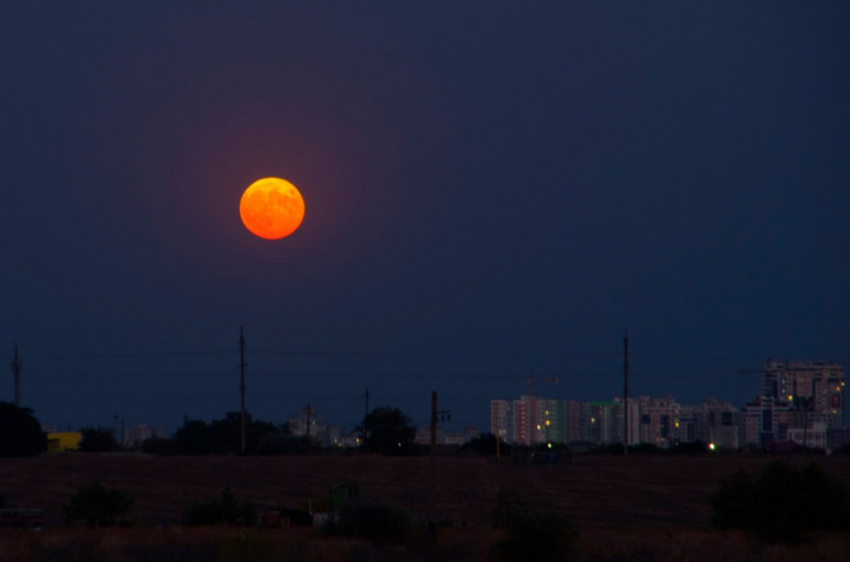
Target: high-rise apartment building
813	387
499	419
308	423
658	420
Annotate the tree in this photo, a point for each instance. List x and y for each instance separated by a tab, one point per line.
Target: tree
389	431
98	439
781	502
97	506
226	433
194	438
224	436
20	432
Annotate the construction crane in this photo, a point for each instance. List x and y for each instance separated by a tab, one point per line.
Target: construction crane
531	382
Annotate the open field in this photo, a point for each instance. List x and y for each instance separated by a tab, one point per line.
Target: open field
595	492
178	544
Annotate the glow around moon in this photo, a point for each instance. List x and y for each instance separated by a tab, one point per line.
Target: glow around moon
272	208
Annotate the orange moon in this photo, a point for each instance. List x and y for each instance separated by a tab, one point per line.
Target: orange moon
272	208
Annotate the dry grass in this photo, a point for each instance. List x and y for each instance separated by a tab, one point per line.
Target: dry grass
473	544
609	492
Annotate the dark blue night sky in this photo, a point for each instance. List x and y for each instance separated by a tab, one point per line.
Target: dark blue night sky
494	190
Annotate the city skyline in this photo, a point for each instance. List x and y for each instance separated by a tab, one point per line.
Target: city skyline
553	388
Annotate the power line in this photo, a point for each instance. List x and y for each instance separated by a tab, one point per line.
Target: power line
119	355
431	353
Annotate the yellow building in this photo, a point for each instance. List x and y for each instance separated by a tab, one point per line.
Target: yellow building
61	442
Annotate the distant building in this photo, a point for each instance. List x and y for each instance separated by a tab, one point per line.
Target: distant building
815	387
64	441
308	423
499	417
350	440
576	422
658	419
528	420
135	436
837	439
423	435
801	401
454	438
606	422
759	416
813	437
470	432
718	422
333	436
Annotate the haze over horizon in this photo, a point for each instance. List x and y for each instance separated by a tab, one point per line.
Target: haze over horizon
493	191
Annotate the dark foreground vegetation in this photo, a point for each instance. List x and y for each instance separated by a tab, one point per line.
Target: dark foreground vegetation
599	508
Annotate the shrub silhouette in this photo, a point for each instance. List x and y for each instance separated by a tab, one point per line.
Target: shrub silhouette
98	440
373	521
546	537
97	506
223	510
510	509
20	432
781	502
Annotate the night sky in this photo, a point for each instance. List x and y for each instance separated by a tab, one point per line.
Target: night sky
494	190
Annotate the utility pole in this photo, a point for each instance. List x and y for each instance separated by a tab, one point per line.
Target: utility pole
16	370
805	422
242	386
365	415
308	422
626	393
432	523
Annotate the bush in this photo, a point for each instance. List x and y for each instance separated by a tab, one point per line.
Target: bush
20	432
98	439
510	510
546	537
97	506
485	445
222	510
159	446
781	502
372	521
247	548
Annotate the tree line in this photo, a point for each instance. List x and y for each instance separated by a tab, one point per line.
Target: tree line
384	430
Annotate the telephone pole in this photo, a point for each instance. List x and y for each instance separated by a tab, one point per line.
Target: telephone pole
308	422
242	375
626	393
16	370
432	523
365	415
